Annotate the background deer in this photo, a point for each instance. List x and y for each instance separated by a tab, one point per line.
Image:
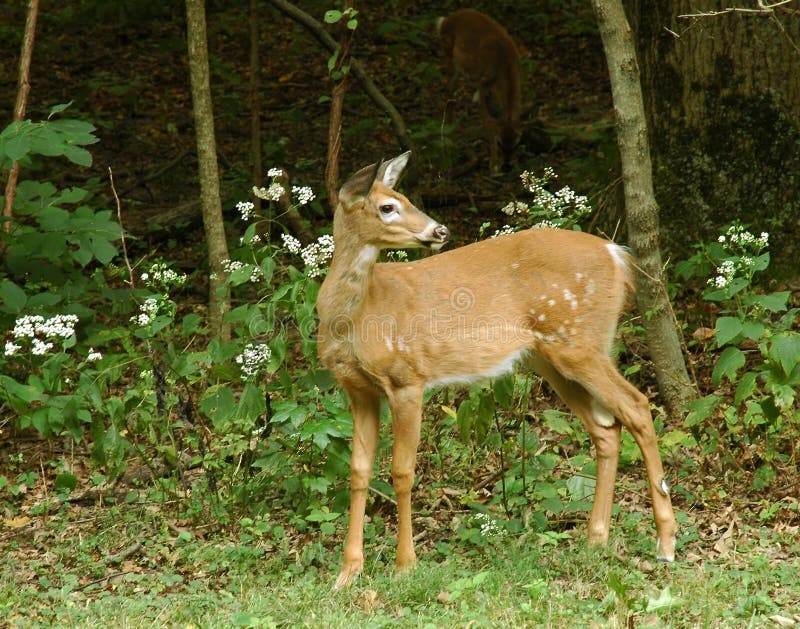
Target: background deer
479	49
543	297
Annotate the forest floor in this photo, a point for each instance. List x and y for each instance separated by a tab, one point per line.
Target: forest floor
130	78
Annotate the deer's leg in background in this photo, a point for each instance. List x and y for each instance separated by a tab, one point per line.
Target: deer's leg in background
366	417
605	439
632	409
406	407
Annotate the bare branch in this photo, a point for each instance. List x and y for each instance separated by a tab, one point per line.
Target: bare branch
322	36
763	8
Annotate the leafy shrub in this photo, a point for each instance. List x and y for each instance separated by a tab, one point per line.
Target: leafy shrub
758	353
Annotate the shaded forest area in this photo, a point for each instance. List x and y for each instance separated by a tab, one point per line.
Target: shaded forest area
123	66
130	78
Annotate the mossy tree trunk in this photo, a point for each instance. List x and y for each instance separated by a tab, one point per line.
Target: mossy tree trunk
722	96
641	208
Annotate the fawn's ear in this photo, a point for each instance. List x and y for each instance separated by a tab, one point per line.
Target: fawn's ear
358	186
389	172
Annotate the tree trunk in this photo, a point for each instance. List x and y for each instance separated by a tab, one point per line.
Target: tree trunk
641	207
255	103
722	94
23	89
219	299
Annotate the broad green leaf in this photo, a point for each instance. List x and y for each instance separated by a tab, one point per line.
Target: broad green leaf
26	392
728	364
12	297
728	328
774	302
701	409
17	146
503	388
785	350
103	250
753	330
252	404
746	386
78	155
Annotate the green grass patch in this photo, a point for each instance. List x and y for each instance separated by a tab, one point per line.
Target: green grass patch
72	571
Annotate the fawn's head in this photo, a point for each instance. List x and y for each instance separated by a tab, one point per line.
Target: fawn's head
372	213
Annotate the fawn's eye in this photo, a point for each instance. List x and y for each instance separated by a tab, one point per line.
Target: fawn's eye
386	209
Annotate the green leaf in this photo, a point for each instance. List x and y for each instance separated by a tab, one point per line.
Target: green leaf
753	330
190	324
728	328
485	416
728	364
17	146
252	404
26	392
102	249
219	405
746	386
503	388
665	600
57	109
66	481
674	438
12	297
332	16
785	350
774	302
464	419
701	409
78	155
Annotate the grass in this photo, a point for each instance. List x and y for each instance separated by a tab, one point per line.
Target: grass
56	572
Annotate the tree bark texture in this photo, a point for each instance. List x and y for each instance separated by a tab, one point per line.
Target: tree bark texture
722	95
641	207
255	101
23	89
211	203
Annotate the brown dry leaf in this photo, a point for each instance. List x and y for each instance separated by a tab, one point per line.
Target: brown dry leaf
444	597
369	600
17	523
703	334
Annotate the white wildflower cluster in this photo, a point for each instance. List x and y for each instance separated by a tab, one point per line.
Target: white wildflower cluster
519	208
253	357
304	194
231	266
397	255
93	355
505	229
38	331
273	192
742	248
553	209
291	243
253	240
490	528
739	236
245	209
275	172
725	274
147	312
159	275
317	254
